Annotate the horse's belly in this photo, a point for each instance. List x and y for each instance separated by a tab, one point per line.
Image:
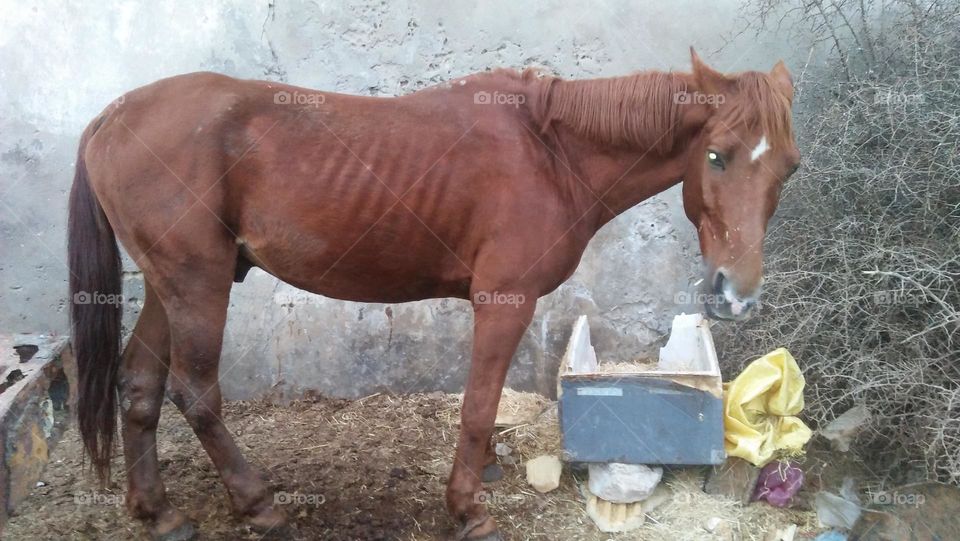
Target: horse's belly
364	270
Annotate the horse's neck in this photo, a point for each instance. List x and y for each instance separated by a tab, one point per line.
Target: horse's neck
619	161
615	179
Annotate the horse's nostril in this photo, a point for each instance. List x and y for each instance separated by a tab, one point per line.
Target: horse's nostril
719	280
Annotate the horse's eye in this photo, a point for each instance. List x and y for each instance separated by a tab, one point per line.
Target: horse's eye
715	160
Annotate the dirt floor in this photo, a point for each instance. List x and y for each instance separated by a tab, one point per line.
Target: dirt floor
368	469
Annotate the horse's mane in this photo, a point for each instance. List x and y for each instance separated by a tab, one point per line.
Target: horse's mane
762	107
640	109
643	110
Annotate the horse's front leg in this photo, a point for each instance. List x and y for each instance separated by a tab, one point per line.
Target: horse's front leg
497	331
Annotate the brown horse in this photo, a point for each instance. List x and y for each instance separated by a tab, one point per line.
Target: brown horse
486	188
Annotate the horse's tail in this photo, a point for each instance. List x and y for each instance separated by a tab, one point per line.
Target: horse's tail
95	312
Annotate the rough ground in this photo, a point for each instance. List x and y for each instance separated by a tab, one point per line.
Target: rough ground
366	469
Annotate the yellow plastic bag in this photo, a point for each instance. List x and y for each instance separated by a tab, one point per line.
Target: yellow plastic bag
759	408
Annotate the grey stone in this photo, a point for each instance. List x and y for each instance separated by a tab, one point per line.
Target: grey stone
720	528
492	473
623	483
845	427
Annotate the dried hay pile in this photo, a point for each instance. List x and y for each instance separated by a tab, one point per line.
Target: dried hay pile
380	465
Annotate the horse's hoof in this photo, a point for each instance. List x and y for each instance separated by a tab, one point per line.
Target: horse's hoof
480	529
268	520
183	532
492	472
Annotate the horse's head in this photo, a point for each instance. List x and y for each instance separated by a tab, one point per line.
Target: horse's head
737	165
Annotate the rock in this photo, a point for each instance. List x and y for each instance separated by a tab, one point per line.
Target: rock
613	517
844	428
623	483
835	511
543	473
502	449
719	527
492	473
734	479
787	533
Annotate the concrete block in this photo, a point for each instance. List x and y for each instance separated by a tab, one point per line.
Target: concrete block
613	517
543	473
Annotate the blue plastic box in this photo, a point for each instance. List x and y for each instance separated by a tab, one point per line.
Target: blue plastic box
670	415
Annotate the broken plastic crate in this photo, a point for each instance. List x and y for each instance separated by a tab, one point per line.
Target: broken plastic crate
671	414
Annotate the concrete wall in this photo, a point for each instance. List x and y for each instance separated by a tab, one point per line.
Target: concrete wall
61	62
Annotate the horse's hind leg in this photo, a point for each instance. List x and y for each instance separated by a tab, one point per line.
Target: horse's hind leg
196	300
143	372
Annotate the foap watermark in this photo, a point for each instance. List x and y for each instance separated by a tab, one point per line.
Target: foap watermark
896	497
298	498
98	498
96	297
496	297
687	298
896	298
698	98
496	498
498	98
314	99
893	97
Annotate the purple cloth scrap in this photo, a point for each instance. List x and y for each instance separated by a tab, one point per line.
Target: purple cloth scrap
778	483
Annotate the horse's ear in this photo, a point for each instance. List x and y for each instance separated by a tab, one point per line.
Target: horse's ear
782	78
708	79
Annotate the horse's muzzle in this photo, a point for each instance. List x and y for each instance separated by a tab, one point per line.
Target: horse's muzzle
723	302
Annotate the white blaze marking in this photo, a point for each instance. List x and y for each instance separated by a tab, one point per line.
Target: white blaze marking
762	147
